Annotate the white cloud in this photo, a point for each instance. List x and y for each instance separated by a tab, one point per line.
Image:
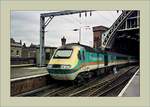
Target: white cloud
25	26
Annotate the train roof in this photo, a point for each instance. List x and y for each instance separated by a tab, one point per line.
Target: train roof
90	49
81	45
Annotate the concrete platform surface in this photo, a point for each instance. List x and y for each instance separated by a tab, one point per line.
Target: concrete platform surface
26	71
132	89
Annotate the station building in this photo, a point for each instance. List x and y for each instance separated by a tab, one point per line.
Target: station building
22	54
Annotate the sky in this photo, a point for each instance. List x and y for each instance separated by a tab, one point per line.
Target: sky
25	26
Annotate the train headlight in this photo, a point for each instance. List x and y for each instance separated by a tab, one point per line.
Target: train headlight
65	66
49	66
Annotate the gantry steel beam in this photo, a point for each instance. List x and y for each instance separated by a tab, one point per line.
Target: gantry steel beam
44	23
109	35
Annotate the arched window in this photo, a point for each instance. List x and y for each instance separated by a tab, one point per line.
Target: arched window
17	52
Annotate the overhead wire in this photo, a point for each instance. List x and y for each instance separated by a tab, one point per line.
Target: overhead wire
80	21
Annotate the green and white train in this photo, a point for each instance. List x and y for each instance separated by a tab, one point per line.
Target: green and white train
75	61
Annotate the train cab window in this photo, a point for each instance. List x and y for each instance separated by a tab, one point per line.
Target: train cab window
83	55
63	53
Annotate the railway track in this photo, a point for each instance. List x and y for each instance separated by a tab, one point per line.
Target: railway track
102	87
95	87
116	86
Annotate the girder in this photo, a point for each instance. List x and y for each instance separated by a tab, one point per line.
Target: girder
65	12
108	36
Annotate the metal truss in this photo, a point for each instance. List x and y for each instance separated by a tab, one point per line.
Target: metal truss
44	23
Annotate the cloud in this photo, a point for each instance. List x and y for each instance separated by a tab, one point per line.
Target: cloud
25	26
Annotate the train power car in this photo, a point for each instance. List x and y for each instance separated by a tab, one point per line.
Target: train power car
75	61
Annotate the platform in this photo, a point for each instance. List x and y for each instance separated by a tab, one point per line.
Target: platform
132	89
27	71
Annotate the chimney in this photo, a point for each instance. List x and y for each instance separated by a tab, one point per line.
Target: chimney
63	40
24	45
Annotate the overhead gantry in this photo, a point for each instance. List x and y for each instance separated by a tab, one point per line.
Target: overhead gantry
44	23
109	35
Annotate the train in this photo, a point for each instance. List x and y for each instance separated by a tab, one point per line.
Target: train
75	61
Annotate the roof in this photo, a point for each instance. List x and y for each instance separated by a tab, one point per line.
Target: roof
70	45
100	28
14	43
46	47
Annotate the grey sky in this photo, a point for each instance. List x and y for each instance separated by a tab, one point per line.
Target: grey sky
25	26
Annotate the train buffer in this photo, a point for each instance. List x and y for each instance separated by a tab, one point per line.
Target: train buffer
132	89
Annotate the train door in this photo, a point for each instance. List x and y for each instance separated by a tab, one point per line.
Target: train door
99	60
81	56
105	59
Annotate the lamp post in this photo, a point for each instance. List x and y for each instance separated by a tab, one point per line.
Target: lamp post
80	31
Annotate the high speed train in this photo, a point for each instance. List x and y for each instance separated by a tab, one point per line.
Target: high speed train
75	61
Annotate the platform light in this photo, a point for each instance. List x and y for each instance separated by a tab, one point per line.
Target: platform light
65	66
49	66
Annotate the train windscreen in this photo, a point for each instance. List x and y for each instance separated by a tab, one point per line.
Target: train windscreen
63	53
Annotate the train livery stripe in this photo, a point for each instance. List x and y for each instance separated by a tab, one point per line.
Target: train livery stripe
78	67
75	69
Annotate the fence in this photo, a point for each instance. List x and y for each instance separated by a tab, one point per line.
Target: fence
17	61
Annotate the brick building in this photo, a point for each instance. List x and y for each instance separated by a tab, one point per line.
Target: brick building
22	54
97	35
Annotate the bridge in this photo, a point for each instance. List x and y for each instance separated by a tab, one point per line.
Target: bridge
123	35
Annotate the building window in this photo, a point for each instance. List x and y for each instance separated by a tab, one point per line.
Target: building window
17	53
47	55
12	51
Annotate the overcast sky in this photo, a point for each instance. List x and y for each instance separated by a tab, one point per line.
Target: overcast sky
25	26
